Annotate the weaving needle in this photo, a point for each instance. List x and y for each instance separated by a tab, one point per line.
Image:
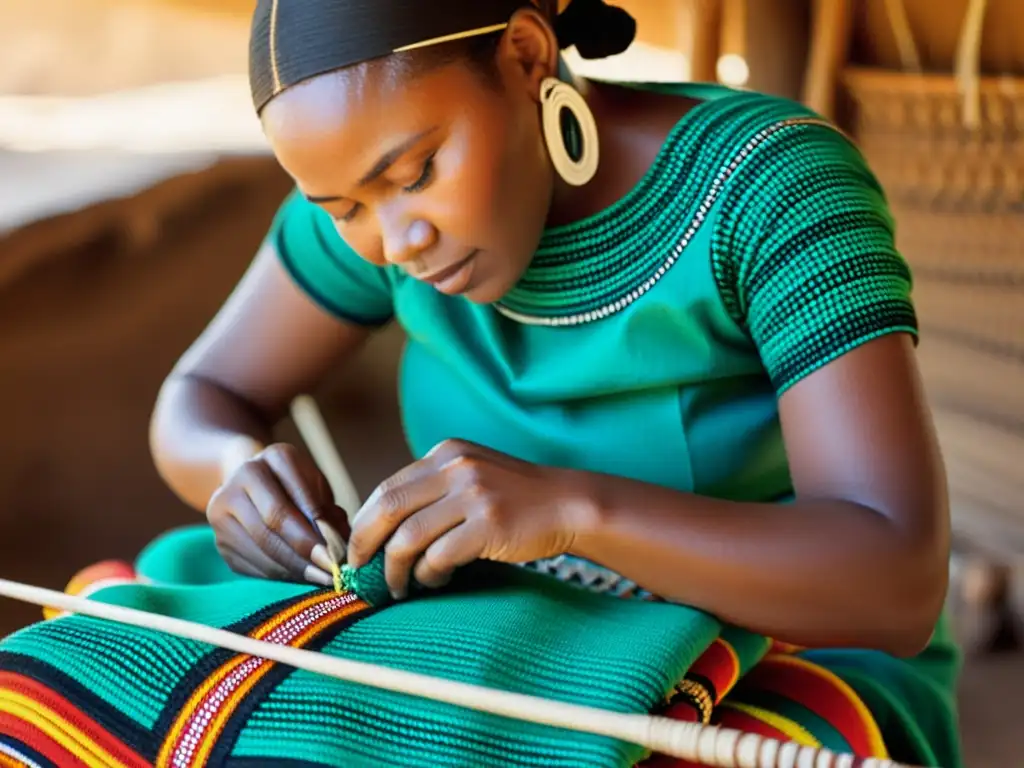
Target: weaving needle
335	550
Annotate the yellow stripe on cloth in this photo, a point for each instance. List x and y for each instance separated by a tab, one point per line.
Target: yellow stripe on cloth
228	708
222	672
203	719
273	623
873	732
212	736
55	727
793	730
735	668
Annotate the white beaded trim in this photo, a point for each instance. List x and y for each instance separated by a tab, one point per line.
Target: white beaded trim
702	213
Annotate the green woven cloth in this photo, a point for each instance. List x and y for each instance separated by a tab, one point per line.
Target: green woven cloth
495	625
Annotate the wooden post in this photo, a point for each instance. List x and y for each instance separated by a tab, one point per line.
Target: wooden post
831	29
732	67
705	19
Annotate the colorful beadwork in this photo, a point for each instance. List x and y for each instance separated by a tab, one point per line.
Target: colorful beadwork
194	734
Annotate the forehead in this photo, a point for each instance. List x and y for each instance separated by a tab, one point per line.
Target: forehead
354	113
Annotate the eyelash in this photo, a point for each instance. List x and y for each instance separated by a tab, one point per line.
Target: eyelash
425	177
417	186
350	215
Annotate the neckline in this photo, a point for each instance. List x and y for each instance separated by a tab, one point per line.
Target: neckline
597	266
644	183
593	267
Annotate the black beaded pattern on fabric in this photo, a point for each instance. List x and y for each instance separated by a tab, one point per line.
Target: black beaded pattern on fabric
811	270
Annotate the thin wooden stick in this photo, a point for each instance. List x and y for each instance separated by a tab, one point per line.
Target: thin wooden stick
708	745
704	24
317	437
831	31
906	44
968	62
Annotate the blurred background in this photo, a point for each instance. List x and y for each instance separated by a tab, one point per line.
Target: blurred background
135	187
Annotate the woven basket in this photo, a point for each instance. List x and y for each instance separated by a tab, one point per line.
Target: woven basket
949	150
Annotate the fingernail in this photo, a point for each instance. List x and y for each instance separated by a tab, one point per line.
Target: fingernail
315	576
335	544
321	558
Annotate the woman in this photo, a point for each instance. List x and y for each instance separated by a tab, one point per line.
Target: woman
659	337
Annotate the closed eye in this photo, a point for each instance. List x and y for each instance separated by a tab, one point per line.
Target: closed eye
425	178
350	215
417	186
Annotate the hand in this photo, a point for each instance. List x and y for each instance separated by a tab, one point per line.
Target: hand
460	503
270	514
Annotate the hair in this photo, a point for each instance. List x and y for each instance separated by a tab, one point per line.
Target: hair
289	46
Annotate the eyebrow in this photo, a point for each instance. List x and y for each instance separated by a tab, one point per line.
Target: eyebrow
381	166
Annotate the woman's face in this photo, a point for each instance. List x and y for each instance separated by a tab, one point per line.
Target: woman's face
439	173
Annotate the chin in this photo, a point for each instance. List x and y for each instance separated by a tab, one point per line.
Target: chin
483	295
488	291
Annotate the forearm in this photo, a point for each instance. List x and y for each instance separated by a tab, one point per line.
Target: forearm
812	573
197	431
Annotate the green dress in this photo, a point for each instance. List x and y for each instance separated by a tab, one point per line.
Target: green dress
652	341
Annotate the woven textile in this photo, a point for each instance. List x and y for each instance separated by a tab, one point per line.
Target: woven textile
136	697
79	691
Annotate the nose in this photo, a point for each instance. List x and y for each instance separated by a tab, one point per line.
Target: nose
405	240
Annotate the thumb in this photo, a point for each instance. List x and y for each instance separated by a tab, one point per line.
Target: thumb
334	529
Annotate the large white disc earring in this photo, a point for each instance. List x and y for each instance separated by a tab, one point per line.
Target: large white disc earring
570	131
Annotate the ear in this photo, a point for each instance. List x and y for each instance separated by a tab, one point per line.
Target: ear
530	49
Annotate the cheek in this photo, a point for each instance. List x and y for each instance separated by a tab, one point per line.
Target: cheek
365	242
500	175
484	182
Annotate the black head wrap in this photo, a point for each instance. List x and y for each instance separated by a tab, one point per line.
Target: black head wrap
295	40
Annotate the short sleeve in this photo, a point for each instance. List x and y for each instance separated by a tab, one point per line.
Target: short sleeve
325	268
804	252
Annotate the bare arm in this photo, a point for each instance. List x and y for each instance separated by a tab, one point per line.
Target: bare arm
268	344
859	559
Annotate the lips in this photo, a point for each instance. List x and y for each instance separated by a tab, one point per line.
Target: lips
444	274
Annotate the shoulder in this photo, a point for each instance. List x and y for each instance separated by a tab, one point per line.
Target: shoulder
804	249
728	148
744	130
792	181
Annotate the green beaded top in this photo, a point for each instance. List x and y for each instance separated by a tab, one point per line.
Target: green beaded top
600	260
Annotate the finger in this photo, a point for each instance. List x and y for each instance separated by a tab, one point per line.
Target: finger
235	540
241	565
448	451
238	563
458	547
278	511
309	490
272	546
412	539
301	479
403	494
263	566
334	542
